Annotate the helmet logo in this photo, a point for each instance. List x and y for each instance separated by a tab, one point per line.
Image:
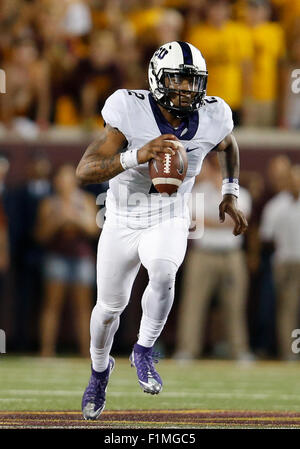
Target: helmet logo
161	53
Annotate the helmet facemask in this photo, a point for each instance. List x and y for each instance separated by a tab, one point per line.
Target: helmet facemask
181	91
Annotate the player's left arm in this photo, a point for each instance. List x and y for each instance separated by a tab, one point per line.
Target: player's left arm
228	155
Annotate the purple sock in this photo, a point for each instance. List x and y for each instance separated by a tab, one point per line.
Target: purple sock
142	349
101	374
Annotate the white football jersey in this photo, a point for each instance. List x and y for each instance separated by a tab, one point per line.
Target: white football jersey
131	198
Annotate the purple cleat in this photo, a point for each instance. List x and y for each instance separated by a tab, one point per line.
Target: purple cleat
149	379
93	400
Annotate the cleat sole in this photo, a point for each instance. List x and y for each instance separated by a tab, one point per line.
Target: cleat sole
96	416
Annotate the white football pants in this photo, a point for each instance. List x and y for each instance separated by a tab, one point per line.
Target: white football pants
121	250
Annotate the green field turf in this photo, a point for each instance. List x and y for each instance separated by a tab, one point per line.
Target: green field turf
32	383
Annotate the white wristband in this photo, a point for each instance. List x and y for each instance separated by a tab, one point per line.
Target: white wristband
128	159
230	187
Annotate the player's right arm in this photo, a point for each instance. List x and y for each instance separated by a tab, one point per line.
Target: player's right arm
101	160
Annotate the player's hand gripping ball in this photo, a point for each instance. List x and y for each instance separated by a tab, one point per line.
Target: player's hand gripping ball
168	174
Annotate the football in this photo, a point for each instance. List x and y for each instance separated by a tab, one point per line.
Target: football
168	175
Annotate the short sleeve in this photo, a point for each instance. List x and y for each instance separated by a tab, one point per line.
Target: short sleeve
115	113
223	123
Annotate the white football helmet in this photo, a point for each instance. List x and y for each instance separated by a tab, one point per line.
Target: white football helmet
178	68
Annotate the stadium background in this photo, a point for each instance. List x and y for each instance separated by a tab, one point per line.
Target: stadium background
62	59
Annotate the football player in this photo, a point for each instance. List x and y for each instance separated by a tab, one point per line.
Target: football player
141	125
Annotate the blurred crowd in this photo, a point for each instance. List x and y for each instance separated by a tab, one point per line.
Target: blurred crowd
62	58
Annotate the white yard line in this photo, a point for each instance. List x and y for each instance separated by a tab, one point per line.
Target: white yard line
236	394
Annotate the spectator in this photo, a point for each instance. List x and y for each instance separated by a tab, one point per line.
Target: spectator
62	56
15	17
67	18
253	181
109	14
4	248
4	167
288	13
65	227
77	20
227	47
215	263
144	18
168	28
26	253
4	238
269	57
27	97
286	238
129	57
63	28
278	172
93	76
290	113
193	13
6	197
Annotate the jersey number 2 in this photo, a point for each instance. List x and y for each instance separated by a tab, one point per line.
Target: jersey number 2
140	96
213	100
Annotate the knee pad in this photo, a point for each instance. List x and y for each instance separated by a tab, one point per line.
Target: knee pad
162	275
104	314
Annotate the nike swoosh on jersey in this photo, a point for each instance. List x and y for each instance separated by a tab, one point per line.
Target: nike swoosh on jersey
191	149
